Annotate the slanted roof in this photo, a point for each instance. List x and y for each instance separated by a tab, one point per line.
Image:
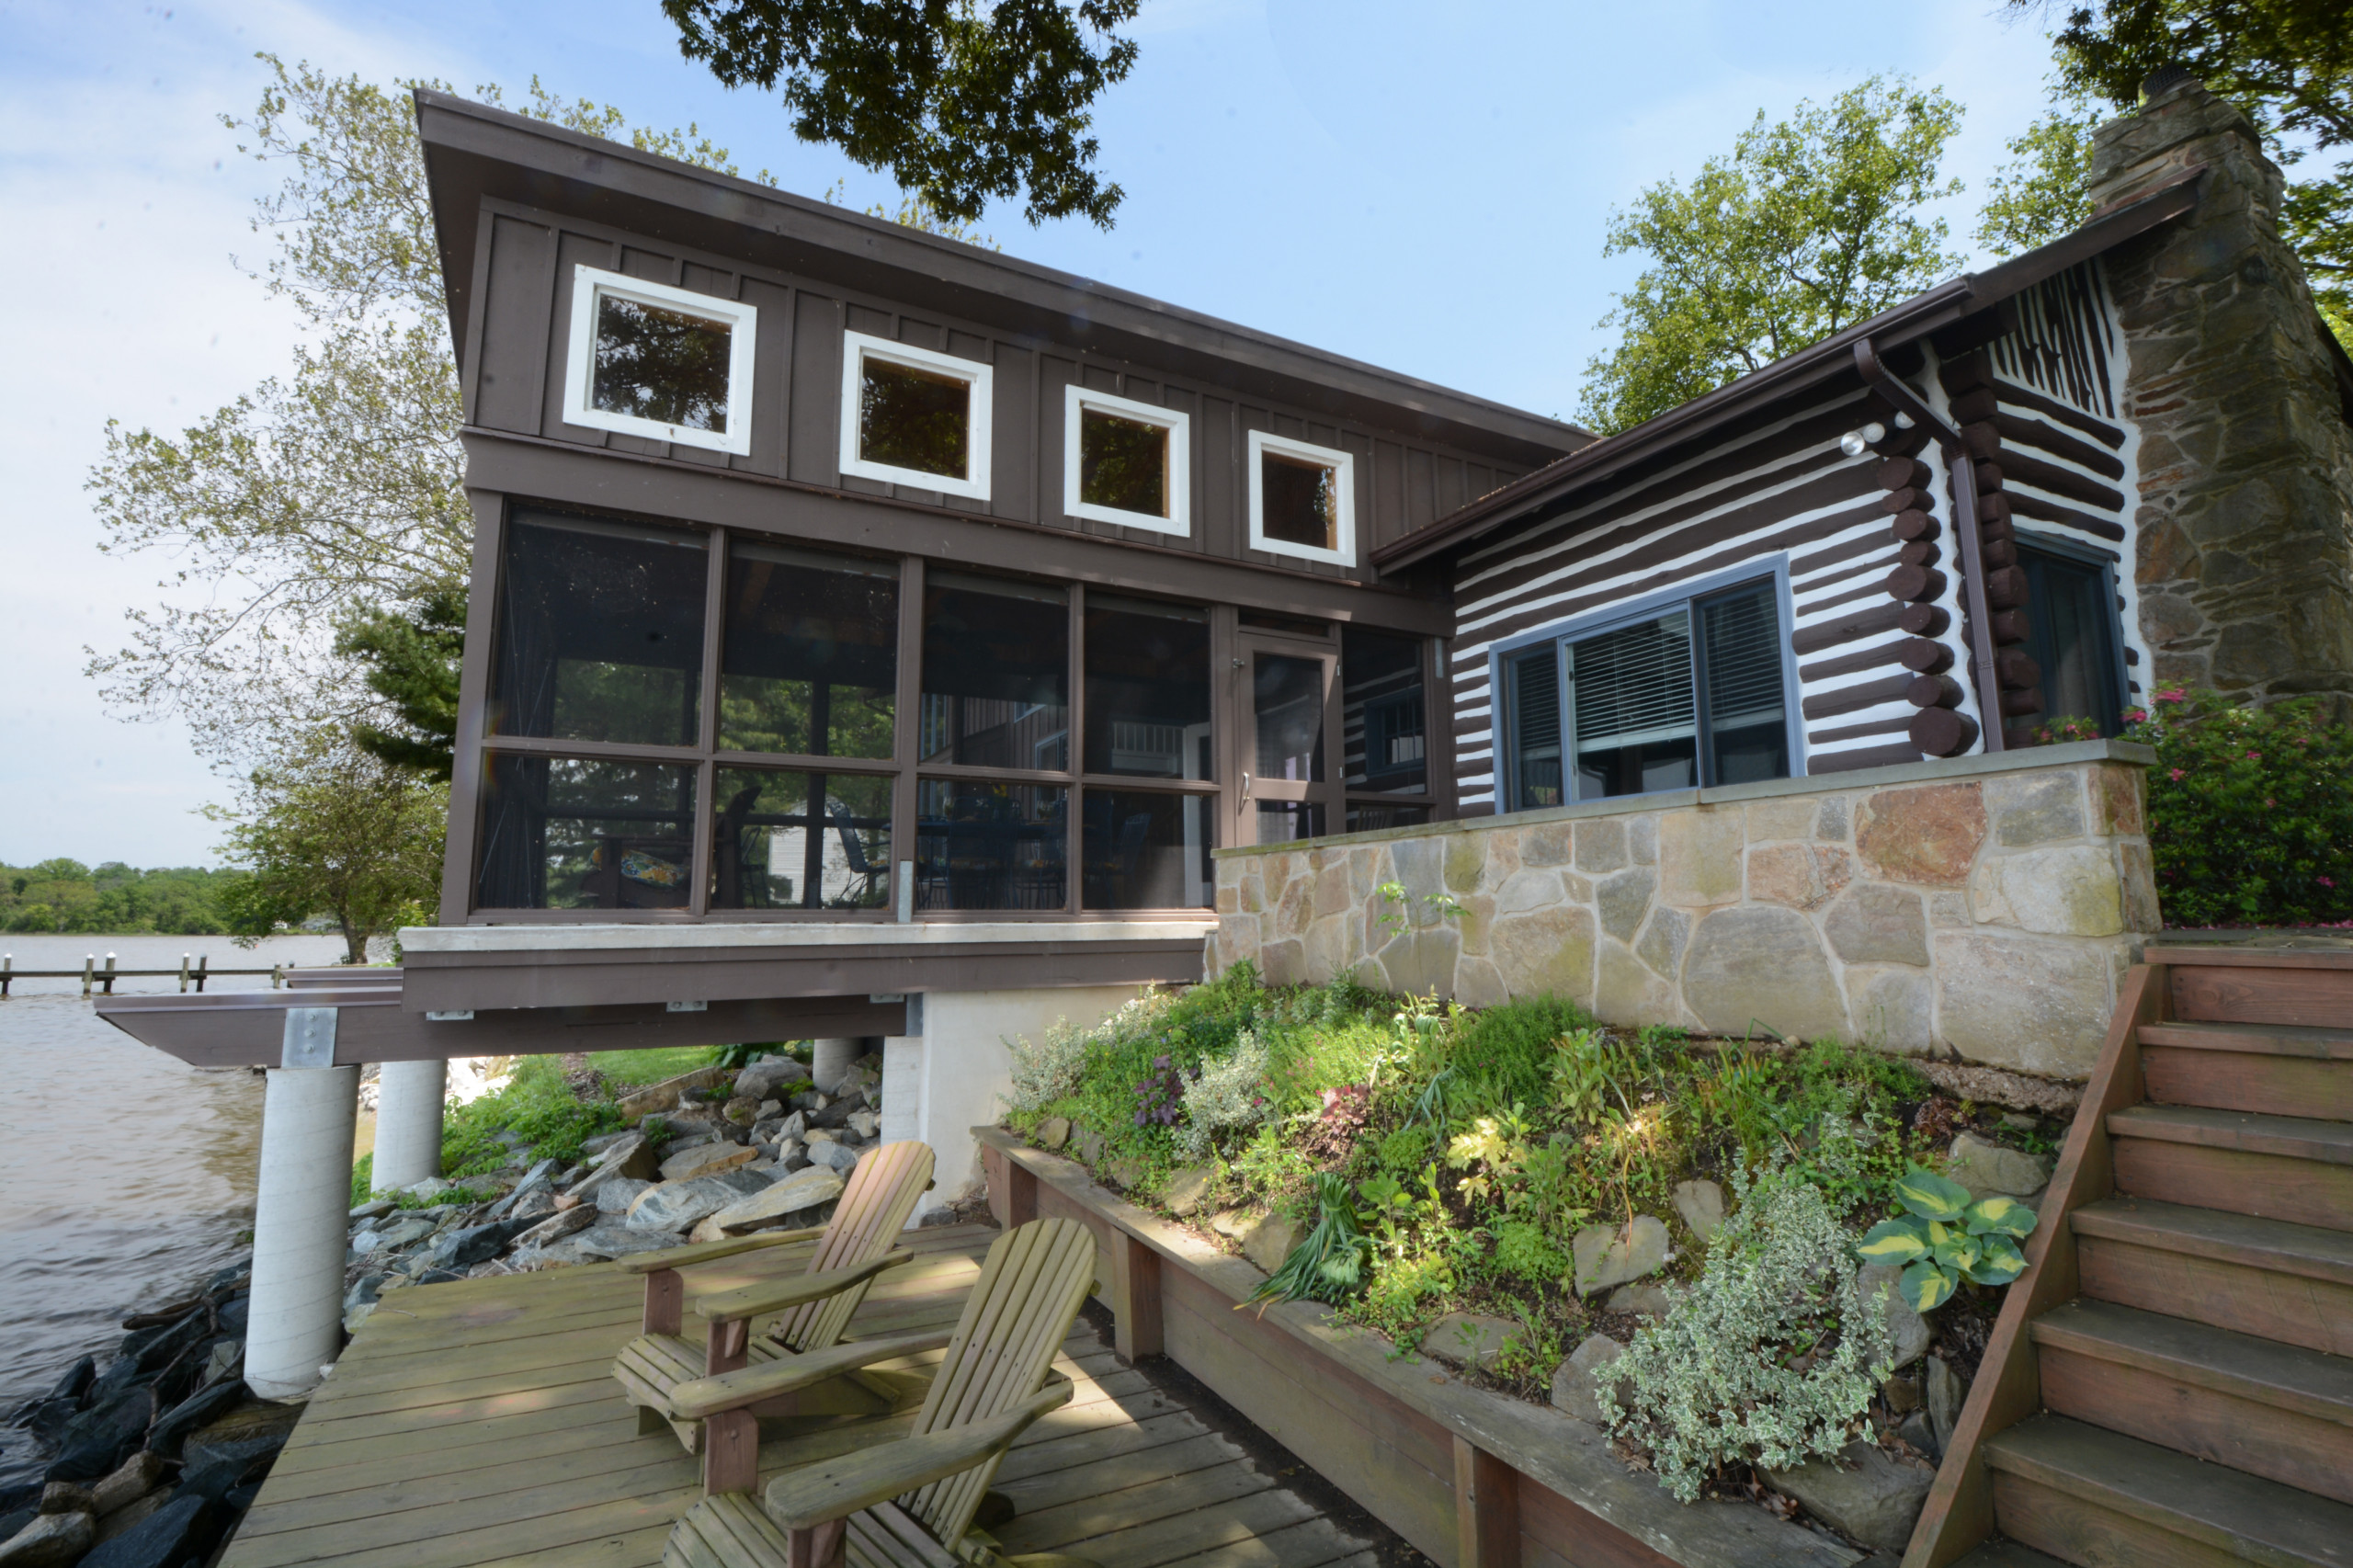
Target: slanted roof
474	152
1950	302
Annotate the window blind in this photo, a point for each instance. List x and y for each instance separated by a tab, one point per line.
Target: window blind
1633	686
1535	696
1742	637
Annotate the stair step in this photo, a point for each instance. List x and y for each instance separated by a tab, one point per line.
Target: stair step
2266	1277
2087	1495
2277	1167
2273	1410
2270	1069
2304	990
2000	1553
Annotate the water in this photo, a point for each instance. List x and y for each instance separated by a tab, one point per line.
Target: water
125	1176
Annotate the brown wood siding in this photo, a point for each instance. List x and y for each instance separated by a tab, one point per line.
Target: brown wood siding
515	383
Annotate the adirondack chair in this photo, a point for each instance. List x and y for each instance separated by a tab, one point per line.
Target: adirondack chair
908	1503
854	1248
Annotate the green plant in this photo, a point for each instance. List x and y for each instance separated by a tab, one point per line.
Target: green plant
2250	818
1397	906
1330	1262
1226	1098
1771	1357
1523	1251
537	1107
362	1174
1946	1239
1504	1054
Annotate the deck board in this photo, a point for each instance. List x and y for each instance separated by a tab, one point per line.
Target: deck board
478	1423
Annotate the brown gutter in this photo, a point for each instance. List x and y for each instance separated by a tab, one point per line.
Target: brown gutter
1963	468
1940	306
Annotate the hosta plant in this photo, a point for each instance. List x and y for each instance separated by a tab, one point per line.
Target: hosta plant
1947	1238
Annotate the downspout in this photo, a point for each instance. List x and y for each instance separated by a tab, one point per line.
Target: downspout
1963	470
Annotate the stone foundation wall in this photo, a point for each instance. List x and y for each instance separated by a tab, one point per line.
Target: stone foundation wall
1983	905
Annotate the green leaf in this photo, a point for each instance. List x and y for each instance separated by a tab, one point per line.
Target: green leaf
1930	1196
1893	1240
1954	1250
2000	1263
1926	1287
2000	1216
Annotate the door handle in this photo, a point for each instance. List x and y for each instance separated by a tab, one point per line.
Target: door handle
1246	786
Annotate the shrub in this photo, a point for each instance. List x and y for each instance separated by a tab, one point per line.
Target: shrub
2250	815
1052	1068
535	1105
1227	1098
1771	1357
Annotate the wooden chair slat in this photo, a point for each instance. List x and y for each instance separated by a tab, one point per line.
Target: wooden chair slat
911	1536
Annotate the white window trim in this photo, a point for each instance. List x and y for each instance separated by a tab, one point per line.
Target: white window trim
857	348
1076	400
590	284
1343	465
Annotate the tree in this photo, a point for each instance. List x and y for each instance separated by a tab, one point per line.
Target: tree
2288	64
961	102
2041	193
410	658
1807	227
332	829
333	497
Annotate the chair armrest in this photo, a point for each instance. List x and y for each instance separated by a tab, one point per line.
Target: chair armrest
748	1385
726	1306
711	1252
813	1495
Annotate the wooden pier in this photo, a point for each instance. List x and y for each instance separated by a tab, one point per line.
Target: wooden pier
478	1423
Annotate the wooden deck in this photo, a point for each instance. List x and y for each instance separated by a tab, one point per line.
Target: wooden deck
478	1423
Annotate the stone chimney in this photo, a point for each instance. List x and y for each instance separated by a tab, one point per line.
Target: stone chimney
2245	511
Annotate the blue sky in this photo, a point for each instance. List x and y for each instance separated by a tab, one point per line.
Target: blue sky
1424	187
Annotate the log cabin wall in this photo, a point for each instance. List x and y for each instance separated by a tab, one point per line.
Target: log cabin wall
514	384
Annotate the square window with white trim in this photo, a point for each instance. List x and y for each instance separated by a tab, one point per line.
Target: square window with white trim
668	364
1302	500
1126	462
915	418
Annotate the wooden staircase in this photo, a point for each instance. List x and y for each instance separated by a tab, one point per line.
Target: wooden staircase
2171	1381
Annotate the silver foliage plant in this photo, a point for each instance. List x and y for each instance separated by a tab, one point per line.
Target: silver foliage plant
1771	1357
1052	1068
1229	1097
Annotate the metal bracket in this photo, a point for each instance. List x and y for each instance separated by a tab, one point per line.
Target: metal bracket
686	1007
309	1037
454	1016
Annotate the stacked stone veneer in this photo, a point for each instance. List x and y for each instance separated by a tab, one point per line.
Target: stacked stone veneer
1984	905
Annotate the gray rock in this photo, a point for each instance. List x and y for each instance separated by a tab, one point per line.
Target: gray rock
470	1244
1088	1144
1577	1385
838	1157
1607	1254
705	1159
562	1223
608	1240
1763	964
1701	1204
802	1190
791	1154
538	1178
1271	1239
1986	1168
604	1140
1921	1433
764	1080
163	1537
1907	1331
866	1124
1188	1190
406	1230
614	1197
51	1540
747	1181
537	1204
1470	1339
1648	1299
1943	1402
375	1207
1054	1133
675	1206
1876	1499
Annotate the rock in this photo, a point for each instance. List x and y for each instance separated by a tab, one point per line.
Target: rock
866	1124
1647	1299
794	1127
1902	1395
66	1497
1087	1143
1577	1385
1879	923
614	1197
470	1244
96	1441
1052	1132
1916	1430
564	1223
1943	1402
1235	1224
51	1538
675	1206
1761	965
375	1207
1926	836
137	1477
249	1431
205	1405
166	1537
743	1110
604	1241
538	1178
1607	1254
762	1080
1470	1339
706	1159
803	1189
2069	892
662	1095
838	1157
1701	1204
2022	1003
770	1108
706	1230
1188	1189
1992	1086
604	1140
1907	1331
429	1189
791	1154
407	1230
1271	1240
1986	1168
1876	1498
137	1512
1124	1173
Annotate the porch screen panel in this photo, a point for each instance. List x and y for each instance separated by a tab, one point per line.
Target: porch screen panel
1630	692
1747	730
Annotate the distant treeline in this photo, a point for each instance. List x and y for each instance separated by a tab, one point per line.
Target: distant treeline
114	899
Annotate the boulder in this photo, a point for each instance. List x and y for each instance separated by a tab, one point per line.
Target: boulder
67	1497
375	1207
134	1479
1943	1402
470	1244
538	1178
51	1540
803	1189
1052	1132
614	1197
406	1230
865	1124
743	1110
662	1095
838	1157
250	1432
1087	1143
606	1241
1907	1331
1271	1240
1701	1204
429	1189
1577	1385
763	1079
1648	1299
675	1206
706	1159
1188	1189
564	1223
179	1530
1470	1339
132	1514
1610	1254
206	1405
1867	1493
1986	1168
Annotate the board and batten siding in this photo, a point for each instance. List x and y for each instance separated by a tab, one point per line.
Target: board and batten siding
2040	412
515	379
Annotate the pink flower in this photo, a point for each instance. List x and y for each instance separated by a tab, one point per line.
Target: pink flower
2254	756
2135	715
2178	772
2172	694
2328	882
